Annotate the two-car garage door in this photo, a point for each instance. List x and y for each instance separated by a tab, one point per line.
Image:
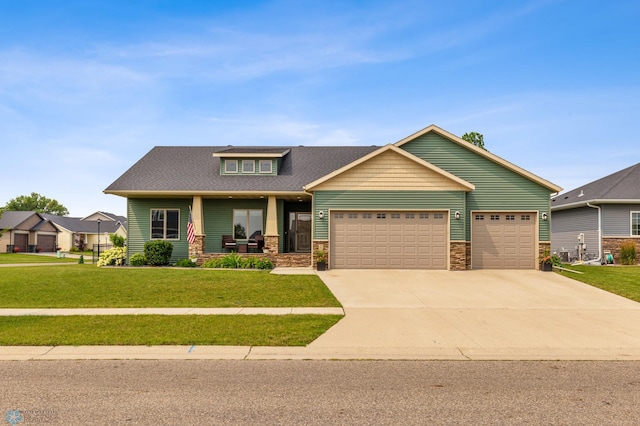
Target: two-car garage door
389	240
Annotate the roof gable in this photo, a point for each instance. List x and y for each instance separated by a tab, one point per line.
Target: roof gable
619	187
481	152
390	168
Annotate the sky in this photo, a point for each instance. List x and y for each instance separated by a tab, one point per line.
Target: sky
89	87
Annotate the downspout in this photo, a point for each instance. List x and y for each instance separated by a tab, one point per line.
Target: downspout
599	230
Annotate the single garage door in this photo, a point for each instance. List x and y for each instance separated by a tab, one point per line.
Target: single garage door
389	240
47	243
503	240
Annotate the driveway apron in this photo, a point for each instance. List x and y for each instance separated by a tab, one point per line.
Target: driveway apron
486	314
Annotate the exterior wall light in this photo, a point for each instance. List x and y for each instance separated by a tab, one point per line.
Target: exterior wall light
545	216
457	215
321	214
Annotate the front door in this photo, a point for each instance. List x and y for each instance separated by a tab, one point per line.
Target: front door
300	232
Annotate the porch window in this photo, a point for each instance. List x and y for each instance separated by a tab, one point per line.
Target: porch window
165	224
247	224
635	223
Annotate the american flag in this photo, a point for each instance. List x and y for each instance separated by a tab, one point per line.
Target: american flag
191	235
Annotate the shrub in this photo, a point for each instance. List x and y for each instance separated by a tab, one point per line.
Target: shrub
137	259
158	252
628	253
212	263
115	256
117	240
186	263
74	250
235	261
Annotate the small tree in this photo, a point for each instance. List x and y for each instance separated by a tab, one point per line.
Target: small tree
158	252
117	240
475	138
80	241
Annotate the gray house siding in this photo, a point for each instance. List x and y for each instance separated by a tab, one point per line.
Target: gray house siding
566	225
616	219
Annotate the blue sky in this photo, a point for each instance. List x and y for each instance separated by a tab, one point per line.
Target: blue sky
88	87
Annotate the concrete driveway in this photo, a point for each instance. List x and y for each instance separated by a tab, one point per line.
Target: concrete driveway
477	315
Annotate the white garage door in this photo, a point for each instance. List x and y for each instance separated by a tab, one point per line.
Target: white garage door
503	240
389	240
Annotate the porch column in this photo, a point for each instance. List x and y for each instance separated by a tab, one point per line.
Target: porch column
197	248
271	237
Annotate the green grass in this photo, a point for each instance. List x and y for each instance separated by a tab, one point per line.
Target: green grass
621	280
9	258
229	330
86	286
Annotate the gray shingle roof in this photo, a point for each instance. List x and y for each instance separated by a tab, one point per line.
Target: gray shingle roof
620	186
77	225
11	219
194	168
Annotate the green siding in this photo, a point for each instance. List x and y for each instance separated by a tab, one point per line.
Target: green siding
497	188
218	219
387	200
139	224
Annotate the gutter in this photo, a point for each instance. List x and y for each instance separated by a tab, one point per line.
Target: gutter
599	229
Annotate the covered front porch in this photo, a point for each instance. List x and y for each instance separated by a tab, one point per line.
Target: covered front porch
280	222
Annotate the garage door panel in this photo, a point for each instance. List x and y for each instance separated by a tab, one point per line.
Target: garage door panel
387	239
502	240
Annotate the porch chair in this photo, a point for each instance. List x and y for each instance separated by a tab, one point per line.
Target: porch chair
228	243
256	244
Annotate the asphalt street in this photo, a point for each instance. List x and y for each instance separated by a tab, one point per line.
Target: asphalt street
320	392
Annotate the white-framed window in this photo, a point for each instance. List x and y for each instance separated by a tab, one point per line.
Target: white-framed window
438	215
231	166
424	215
381	215
165	224
366	215
247	224
635	223
353	215
265	166
248	166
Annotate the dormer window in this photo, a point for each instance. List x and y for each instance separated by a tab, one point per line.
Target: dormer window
248	166
266	166
231	166
251	161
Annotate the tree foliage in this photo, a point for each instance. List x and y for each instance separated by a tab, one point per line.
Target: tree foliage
36	203
475	138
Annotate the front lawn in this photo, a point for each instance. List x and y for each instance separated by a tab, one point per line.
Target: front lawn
9	258
86	286
621	280
230	330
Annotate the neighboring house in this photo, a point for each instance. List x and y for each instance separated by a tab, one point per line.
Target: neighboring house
27	232
86	229
429	201
597	217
